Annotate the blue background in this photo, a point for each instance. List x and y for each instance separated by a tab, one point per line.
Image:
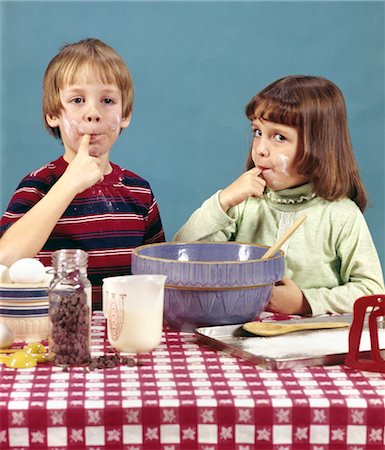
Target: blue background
195	65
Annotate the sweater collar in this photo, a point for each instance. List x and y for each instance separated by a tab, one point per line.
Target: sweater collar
291	199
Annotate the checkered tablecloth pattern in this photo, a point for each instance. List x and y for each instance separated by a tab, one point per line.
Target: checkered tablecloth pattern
188	396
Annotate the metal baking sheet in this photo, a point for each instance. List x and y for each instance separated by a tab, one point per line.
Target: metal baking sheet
291	350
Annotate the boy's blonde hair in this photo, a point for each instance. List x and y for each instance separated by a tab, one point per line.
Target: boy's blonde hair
100	60
316	107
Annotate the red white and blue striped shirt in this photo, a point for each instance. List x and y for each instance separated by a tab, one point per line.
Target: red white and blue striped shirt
107	220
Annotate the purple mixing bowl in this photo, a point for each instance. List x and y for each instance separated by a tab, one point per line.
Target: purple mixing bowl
210	283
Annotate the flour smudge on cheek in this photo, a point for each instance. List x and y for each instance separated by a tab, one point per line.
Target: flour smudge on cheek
71	128
74	128
276	176
283	164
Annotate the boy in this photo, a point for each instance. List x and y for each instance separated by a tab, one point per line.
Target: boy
82	200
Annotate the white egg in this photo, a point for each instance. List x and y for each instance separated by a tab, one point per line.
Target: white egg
49	275
27	270
4	274
6	336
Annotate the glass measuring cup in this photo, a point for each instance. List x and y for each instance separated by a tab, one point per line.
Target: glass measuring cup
133	306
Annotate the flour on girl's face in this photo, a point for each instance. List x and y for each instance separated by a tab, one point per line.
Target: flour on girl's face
283	164
278	175
274	152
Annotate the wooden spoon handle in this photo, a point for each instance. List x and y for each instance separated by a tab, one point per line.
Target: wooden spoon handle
275	329
278	243
316	325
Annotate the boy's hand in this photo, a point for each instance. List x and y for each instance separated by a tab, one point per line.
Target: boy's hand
287	298
249	184
84	170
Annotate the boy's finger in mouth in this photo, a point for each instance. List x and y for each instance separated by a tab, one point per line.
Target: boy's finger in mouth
95	137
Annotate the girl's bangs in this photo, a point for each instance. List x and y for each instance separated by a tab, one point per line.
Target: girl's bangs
274	111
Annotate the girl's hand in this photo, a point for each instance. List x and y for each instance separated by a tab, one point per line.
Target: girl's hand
84	170
287	298
249	184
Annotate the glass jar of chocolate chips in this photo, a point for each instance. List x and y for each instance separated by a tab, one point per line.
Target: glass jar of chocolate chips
70	309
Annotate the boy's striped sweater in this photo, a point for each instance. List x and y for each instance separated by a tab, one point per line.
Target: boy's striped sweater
107	220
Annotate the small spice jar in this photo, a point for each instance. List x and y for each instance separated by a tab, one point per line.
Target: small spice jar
70	309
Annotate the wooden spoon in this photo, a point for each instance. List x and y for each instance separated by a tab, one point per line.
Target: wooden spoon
281	240
275	329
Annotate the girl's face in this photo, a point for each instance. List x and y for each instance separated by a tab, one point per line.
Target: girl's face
90	107
274	152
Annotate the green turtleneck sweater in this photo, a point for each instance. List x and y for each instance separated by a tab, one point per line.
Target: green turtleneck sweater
331	257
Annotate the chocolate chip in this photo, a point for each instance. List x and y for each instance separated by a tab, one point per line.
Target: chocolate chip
70	318
110	361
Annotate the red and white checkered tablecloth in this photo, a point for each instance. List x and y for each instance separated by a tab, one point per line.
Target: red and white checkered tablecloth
188	396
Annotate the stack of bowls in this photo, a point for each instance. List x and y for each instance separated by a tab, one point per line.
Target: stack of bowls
211	283
24	309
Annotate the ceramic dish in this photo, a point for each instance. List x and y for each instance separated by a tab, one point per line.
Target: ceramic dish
24	309
210	283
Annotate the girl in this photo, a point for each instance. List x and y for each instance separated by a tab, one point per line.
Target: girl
301	162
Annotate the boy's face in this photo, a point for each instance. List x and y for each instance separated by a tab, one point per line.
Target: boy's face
90	107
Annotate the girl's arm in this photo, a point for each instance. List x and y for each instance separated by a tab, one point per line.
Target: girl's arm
360	270
358	265
287	298
216	219
249	184
209	222
27	236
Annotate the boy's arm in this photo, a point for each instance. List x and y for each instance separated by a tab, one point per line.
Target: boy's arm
154	229
26	237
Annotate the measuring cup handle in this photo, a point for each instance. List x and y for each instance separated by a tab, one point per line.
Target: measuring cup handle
105	302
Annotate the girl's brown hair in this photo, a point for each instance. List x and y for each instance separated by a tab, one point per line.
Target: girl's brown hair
99	60
316	107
